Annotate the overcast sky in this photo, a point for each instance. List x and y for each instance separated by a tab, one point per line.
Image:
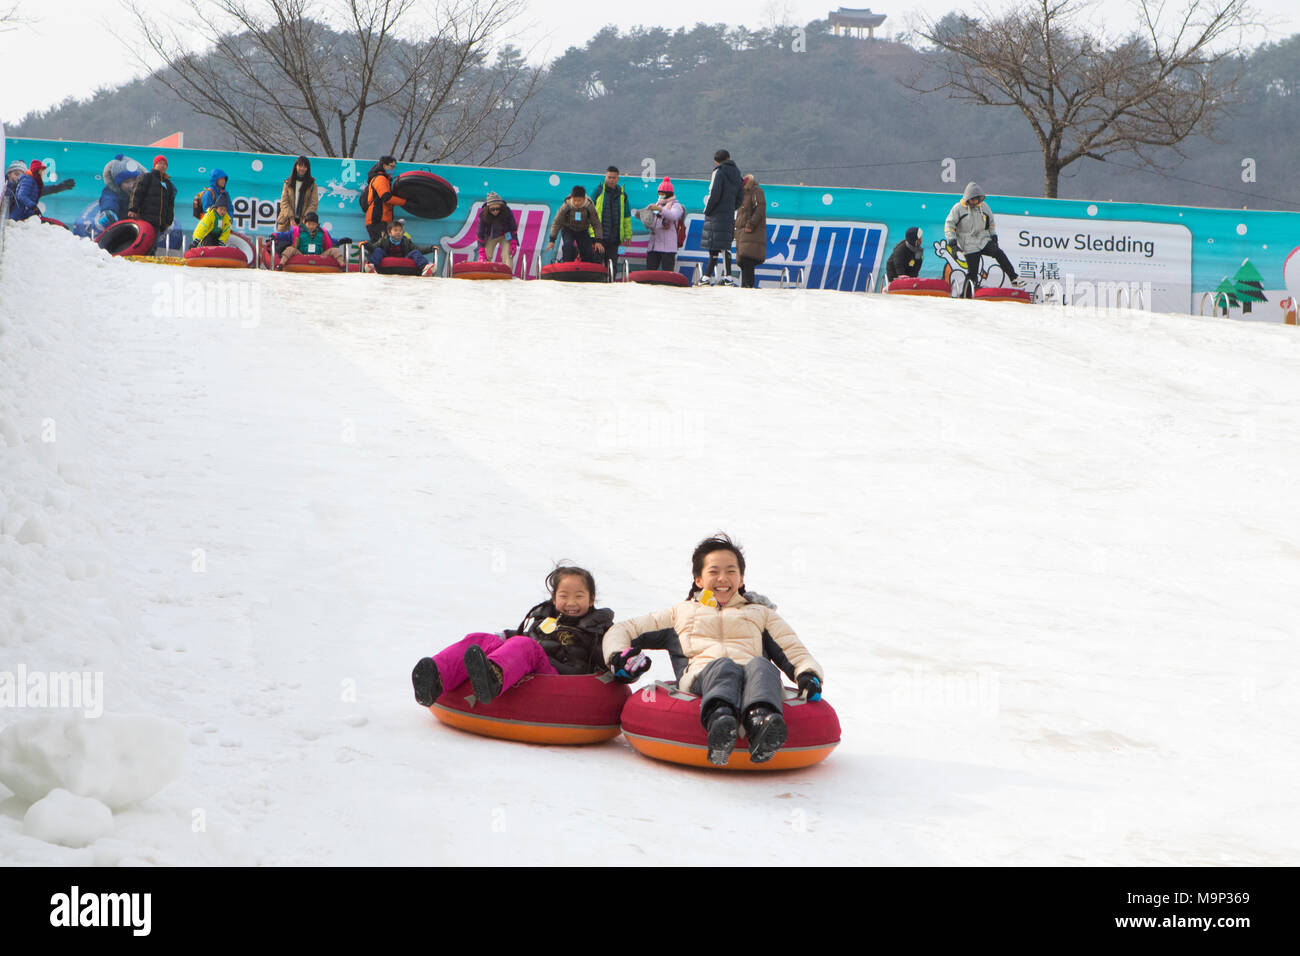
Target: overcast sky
69	49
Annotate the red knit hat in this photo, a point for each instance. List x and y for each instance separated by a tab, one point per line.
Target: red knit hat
160	158
666	186
36	166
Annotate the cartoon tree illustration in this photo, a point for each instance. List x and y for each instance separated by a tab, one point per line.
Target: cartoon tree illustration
1249	285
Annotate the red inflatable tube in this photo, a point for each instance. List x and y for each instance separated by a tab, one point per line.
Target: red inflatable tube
244	244
397	266
906	285
54	222
576	272
215	257
481	270
128	237
658	277
427	196
542	709
302	262
1010	294
661	722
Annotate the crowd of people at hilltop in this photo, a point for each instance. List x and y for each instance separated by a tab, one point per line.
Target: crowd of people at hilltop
588	228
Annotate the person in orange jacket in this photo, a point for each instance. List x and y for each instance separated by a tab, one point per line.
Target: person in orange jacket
380	200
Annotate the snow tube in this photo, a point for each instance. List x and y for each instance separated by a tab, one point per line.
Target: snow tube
427	196
244	244
397	266
302	262
576	272
54	222
662	722
658	277
1010	294
906	285
215	257
542	709
128	237
481	270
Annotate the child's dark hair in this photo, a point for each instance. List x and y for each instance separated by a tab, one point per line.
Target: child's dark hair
578	192
721	156
563	571
719	542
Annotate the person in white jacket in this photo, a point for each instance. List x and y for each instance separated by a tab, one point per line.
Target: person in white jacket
971	234
725	645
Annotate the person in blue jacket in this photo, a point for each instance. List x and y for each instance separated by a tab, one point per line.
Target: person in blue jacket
120	175
27	193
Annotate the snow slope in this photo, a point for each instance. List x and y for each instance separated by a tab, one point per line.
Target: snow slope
1046	557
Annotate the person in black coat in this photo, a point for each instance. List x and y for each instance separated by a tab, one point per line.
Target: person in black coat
154	198
906	258
720	211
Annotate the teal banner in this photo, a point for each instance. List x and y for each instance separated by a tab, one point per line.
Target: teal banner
1167	258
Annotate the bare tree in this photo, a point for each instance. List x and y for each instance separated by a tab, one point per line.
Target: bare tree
315	76
11	18
1085	93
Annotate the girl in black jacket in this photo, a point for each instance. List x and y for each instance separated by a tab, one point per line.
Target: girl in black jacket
561	635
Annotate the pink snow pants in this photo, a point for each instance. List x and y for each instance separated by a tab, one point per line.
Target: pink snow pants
517	657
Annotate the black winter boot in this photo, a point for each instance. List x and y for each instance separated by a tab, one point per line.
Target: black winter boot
484	676
427	682
766	731
723	731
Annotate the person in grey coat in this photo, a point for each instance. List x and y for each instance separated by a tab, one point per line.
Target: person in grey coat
720	211
971	233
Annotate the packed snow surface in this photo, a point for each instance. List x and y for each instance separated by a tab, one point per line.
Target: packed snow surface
1047	559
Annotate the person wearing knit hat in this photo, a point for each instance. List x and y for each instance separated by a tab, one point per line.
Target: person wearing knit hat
154	197
24	203
907	256
14	172
497	229
662	222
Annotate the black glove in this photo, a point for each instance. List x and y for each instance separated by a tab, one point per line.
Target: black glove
628	665
993	240
952	246
809	685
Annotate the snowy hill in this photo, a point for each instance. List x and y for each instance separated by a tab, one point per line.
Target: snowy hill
1046	557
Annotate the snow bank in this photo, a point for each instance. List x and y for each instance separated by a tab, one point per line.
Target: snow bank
67	819
115	759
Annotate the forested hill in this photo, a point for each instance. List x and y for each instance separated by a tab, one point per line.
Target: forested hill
836	112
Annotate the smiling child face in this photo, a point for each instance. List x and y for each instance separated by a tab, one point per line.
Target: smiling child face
721	574
572	599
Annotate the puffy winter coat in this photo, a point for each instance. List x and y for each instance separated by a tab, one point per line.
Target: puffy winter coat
212	221
27	194
382	200
905	260
574	647
582	218
720	207
695	635
663	226
213	192
751	222
619	215
502	224
971	226
311	244
154	200
297	198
